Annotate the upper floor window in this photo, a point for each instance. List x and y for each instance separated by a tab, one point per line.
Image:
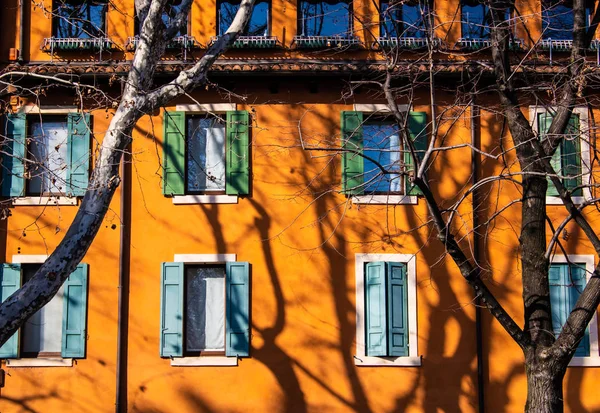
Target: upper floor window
325	18
406	19
81	19
259	21
476	20
557	18
172	8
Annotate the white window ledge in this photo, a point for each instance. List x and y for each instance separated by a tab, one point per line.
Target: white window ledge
204	258
204	361
40	362
204	199
556	200
585	361
387	361
45	200
385	199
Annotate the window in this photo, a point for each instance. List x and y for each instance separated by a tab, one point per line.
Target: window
59	328
571	159
375	143
51	159
568	277
205	309
259	21
80	19
325	18
476	20
386	332
408	19
205	155
557	19
172	8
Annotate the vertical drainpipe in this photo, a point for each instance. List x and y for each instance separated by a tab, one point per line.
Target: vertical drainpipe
478	333
123	304
21	30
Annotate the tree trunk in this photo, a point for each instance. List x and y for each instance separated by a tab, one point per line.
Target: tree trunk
544	385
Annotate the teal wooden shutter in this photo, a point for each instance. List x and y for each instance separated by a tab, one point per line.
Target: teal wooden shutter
566	284
571	156
237	165
14	148
353	166
417	129
75	313
174	153
171	307
237	296
10	282
375	309
544	122
78	149
397	309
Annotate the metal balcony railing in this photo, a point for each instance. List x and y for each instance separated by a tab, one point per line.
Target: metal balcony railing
408	43
325	42
96	44
185	43
252	42
479	44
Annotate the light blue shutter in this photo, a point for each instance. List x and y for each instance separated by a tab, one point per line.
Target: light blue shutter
171	306
75	313
10	281
417	128
237	165
397	306
237	295
375	311
174	153
78	149
13	167
575	280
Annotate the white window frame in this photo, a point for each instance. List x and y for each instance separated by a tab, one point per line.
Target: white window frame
584	146
593	360
361	359
203	109
373	109
42	361
204	360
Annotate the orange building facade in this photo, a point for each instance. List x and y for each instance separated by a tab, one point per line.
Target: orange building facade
283	227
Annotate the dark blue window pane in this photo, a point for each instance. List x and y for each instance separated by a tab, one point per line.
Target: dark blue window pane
172	8
321	18
403	20
79	19
259	21
557	19
381	142
476	20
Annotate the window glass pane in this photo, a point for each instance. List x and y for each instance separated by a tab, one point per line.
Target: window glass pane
403	20
325	18
259	21
381	144
48	153
558	21
43	331
172	8
79	18
476	20
205	308
205	154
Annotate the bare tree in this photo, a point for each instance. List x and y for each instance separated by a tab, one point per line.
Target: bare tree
141	96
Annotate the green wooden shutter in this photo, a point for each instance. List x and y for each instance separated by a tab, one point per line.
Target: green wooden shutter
237	296
14	148
10	281
417	129
571	156
75	313
171	307
353	166
237	169
375	309
397	309
78	149
174	153
544	122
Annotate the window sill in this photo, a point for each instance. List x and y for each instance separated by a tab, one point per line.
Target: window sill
204	361
40	362
387	361
585	362
45	200
555	200
204	199
385	199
